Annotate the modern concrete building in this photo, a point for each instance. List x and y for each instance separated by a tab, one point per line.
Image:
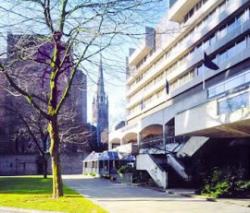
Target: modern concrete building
176	106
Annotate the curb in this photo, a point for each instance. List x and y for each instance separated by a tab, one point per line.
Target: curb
17	210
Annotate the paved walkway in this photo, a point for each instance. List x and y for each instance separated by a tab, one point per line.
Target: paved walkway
122	198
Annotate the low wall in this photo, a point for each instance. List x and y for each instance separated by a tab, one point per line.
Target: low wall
18	165
29	164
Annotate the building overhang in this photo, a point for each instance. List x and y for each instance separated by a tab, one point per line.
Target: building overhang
139	53
180	8
204	120
144	49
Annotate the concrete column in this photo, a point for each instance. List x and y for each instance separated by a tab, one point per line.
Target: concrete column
110	145
138	139
121	141
164	136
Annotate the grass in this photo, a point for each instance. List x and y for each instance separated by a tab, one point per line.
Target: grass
35	193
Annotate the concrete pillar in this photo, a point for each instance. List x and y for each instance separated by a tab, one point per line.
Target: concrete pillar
164	136
110	145
138	139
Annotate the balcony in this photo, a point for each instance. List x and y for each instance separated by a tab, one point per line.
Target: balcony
231	84
152	145
147	92
185	45
117	135
129	148
180	9
198	56
228	116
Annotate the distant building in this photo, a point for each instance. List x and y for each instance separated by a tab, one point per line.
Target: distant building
3	116
100	108
78	97
15	149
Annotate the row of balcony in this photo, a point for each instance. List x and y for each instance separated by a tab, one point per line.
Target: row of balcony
197	56
182	47
180	38
223	64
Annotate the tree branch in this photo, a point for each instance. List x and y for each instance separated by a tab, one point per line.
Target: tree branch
27	96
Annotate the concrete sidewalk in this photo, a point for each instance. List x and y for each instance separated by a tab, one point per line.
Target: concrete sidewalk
238	202
122	198
19	210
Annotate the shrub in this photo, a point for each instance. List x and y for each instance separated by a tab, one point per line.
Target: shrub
125	169
92	174
226	183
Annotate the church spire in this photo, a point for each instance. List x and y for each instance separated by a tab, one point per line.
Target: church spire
100	86
100	109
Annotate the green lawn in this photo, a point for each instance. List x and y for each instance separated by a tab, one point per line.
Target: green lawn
35	193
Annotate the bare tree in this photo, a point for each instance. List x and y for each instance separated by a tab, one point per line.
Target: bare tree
32	128
74	32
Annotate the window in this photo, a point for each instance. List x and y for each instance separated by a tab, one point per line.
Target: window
229	84
142	105
200	70
222	33
213	39
232	26
232	104
235	82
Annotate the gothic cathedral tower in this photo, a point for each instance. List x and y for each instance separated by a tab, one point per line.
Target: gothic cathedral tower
100	109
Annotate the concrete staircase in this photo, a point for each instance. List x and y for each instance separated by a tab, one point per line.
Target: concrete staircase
147	163
189	148
192	146
157	164
177	166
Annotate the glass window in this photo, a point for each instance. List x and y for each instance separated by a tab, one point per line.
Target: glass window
232	26
222	33
220	89
232	83
205	45
213	40
234	103
200	70
247	77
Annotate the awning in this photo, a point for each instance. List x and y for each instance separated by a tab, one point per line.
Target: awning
128	157
110	155
192	146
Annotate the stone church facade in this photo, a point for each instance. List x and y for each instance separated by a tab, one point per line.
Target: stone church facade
19	156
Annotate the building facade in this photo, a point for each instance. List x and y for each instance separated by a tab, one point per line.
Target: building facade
177	108
18	152
100	109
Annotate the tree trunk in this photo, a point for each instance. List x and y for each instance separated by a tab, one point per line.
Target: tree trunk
45	167
55	158
45	154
